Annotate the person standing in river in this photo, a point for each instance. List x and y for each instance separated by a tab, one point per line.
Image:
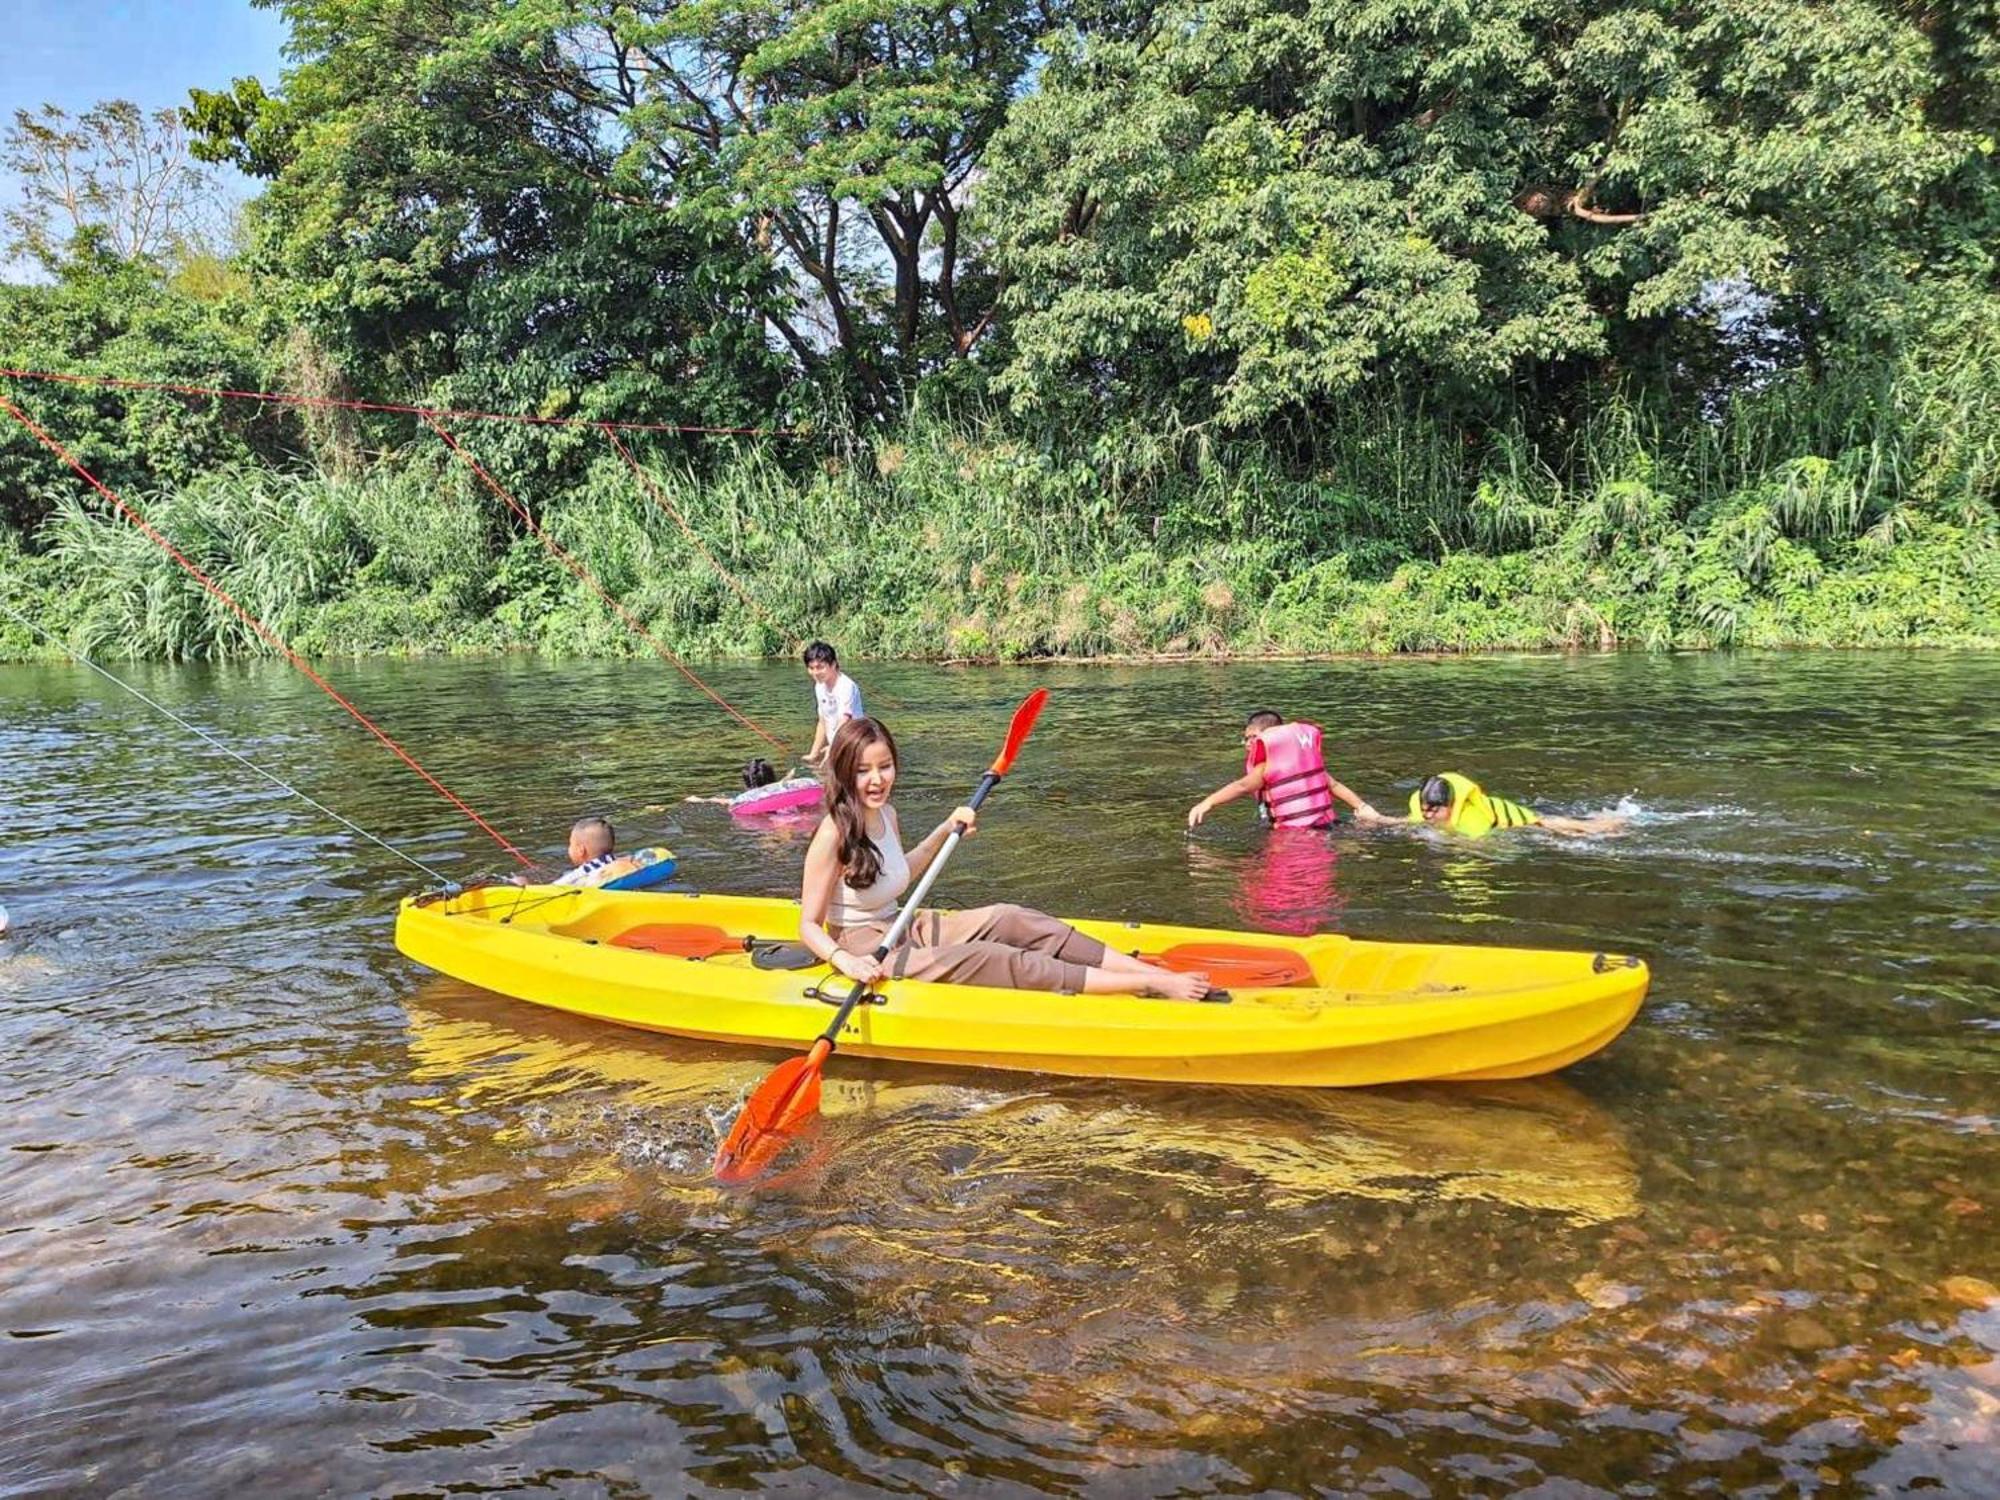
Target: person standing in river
835	696
1284	768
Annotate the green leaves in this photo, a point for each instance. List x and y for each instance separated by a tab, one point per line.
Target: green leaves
1348	189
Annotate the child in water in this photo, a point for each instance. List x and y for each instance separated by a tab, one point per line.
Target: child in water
593	856
757	773
1458	804
1284	768
593	851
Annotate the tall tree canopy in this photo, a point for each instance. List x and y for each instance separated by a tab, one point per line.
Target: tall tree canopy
798	170
1249	206
116	175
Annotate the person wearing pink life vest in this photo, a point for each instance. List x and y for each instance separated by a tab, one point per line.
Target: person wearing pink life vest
1284	767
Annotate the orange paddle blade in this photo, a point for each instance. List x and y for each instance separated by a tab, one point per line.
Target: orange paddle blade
678	939
1243	966
783	1105
1017	732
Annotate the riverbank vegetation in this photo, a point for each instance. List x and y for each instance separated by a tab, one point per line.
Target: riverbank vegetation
1340	325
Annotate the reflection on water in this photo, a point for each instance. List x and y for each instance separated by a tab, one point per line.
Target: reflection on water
1288	881
1536	1144
281	1214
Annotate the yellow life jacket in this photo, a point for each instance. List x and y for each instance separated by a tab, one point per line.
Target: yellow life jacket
1474	813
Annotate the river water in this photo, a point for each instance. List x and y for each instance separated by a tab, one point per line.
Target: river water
282	1214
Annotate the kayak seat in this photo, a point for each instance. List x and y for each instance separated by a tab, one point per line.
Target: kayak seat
767	953
1248	966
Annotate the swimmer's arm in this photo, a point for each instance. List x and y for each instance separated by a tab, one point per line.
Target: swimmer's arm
1581	828
1364	811
1249	783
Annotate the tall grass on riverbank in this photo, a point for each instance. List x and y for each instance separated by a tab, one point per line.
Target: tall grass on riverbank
1847	511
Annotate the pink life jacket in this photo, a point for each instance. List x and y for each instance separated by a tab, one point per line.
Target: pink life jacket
1296	788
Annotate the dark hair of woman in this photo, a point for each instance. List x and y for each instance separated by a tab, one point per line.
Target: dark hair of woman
860	860
1436	793
758	773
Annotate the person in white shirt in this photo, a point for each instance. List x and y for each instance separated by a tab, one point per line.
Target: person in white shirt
836	696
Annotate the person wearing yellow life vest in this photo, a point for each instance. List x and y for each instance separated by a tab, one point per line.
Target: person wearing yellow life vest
1284	768
1458	804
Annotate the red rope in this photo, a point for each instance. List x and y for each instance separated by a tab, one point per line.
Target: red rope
264	631
583	574
660	499
281	398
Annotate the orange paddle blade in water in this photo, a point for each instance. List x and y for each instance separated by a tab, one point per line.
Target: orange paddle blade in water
1243	965
782	1105
786	1101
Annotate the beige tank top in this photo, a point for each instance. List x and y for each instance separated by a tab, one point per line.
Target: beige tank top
877	902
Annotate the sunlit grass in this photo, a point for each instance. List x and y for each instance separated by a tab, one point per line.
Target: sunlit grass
1842	510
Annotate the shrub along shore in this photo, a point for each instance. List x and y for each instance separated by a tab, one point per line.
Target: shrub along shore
950	541
1074	330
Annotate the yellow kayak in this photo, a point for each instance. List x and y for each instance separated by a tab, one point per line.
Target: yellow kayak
1348	1013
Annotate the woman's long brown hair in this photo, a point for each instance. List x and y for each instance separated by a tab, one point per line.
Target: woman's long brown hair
860	860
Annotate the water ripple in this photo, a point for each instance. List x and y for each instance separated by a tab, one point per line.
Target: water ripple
281	1214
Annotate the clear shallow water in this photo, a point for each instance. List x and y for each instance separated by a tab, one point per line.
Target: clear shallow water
280	1213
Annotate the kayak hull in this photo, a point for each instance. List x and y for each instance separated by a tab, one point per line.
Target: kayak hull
1374	1012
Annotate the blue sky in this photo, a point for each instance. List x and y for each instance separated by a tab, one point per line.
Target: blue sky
77	52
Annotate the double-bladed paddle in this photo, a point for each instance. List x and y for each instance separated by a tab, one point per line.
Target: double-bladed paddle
789	1098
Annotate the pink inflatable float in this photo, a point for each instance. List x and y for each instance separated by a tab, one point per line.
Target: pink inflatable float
792	795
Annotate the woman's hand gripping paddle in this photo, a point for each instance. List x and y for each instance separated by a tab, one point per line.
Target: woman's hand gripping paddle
788	1099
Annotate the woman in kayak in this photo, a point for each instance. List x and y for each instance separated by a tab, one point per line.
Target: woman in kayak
856	871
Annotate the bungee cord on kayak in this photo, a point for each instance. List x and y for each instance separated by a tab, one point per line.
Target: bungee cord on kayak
444	881
264	632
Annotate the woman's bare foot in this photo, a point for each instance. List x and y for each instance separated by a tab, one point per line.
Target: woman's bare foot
1171	986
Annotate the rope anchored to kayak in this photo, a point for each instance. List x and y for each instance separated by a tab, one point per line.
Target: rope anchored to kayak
434	417
264	632
196	730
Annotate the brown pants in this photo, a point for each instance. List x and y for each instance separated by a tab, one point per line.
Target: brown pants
1009	947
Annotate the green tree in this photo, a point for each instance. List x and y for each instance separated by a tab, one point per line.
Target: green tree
440	220
111	316
812	160
115	172
1251	207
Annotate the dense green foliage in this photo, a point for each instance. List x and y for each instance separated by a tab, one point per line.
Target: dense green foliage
1289	325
